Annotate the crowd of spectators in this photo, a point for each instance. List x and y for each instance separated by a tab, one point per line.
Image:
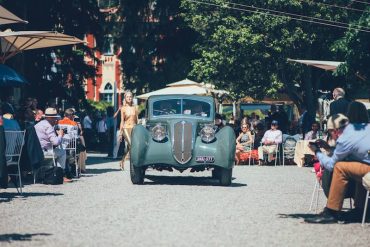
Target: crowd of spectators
50	126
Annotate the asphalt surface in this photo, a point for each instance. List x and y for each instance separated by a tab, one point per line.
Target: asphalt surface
265	206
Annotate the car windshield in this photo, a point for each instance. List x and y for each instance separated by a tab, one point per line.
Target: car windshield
181	107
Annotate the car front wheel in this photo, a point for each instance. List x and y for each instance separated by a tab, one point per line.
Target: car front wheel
225	176
137	174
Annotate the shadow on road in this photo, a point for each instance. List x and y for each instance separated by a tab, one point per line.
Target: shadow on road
7	197
99	171
296	216
189	180
20	237
98	160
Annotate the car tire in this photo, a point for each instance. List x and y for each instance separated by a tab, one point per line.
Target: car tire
137	174
225	176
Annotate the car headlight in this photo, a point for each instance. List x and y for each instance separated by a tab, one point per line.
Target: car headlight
207	134
158	132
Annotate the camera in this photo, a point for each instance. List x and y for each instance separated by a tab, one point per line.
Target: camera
316	144
65	130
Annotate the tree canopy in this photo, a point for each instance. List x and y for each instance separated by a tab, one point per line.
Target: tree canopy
156	44
60	71
246	51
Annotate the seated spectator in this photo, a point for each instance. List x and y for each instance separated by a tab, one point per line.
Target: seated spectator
50	139
350	161
270	140
68	123
244	141
314	133
10	123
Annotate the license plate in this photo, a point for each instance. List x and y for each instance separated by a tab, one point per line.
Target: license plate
205	159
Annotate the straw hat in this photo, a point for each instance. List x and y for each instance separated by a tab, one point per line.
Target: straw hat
337	121
51	112
8	116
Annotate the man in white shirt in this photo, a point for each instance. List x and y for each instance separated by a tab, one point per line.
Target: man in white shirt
270	141
87	130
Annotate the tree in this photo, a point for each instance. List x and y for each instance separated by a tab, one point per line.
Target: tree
156	45
247	52
355	49
60	71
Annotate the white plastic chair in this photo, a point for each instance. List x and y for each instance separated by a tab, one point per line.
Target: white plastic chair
14	145
251	149
70	143
365	208
288	150
365	182
316	194
276	153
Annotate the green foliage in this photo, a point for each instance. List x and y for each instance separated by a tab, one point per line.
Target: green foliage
156	45
247	52
99	105
355	48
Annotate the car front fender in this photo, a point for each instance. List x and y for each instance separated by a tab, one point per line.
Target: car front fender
139	145
226	145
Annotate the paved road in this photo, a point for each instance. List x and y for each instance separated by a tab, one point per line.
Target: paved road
264	207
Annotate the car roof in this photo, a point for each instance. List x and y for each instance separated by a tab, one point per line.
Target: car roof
208	99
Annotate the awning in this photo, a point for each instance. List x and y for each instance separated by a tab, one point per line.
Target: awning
326	65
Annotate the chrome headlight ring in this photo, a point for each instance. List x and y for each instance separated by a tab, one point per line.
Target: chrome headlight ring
207	134
159	132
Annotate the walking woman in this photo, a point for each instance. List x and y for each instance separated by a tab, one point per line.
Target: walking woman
129	118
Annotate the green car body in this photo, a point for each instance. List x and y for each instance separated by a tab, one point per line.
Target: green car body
182	148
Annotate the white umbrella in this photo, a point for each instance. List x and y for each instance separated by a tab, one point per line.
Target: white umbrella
326	65
12	43
190	90
6	17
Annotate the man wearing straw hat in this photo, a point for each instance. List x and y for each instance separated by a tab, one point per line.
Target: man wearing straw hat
50	138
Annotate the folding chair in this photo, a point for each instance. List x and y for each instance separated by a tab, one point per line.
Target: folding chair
288	149
14	145
366	183
316	194
249	152
70	144
277	153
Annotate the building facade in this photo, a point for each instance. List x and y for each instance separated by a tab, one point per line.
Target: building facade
108	75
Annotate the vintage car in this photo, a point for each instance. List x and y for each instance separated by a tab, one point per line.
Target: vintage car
180	133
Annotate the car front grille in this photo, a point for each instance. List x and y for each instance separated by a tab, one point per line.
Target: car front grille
182	141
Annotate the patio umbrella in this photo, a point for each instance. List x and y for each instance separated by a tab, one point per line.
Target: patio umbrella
325	65
6	17
12	43
10	78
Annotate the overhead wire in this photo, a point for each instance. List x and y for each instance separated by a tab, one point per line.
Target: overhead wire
302	18
334	6
363	2
297	15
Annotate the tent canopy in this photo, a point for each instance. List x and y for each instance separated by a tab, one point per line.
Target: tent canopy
185	86
326	65
190	90
185	82
6	17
